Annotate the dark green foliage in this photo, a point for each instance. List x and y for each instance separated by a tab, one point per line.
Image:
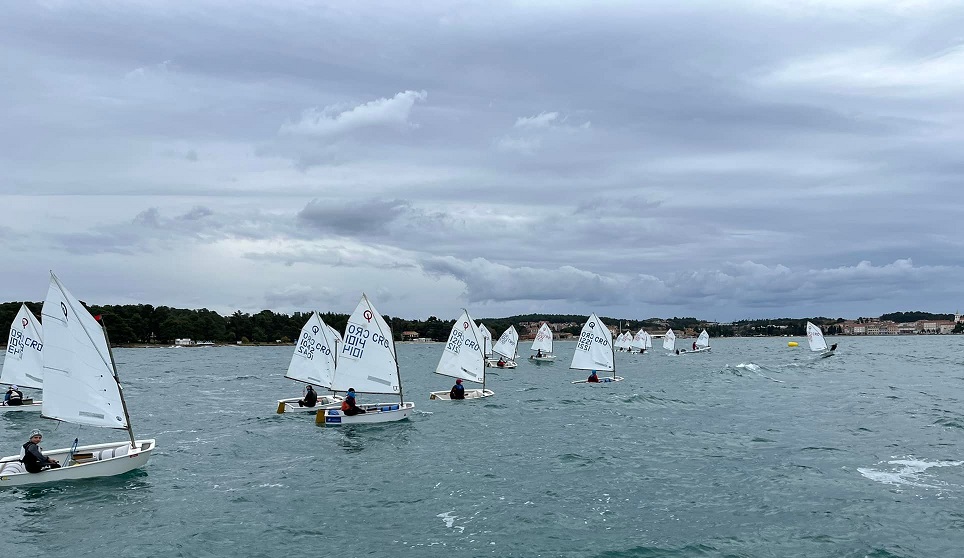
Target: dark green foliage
143	323
904	317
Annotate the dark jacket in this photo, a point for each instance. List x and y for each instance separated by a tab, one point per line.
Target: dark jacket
33	460
311	398
458	392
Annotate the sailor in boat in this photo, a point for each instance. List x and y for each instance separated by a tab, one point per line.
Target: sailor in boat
694	345
593	378
348	406
833	347
458	390
13	396
538	353
501	363
311	398
33	458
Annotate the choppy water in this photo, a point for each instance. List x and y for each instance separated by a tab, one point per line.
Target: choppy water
751	450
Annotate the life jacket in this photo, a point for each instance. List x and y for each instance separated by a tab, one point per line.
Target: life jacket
311	398
458	392
15	397
593	379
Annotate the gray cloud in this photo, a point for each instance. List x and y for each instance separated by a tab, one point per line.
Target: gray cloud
727	159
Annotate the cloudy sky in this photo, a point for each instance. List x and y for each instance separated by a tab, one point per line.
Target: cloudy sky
723	160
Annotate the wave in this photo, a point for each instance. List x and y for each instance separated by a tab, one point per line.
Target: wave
910	472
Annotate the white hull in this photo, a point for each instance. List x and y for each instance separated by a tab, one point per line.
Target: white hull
698	350
290	405
99	462
35	406
494	363
469	394
826	354
379	412
601	381
543	358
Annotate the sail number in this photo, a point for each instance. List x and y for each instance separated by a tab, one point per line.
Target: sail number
18	342
587	338
307	347
455	341
356	337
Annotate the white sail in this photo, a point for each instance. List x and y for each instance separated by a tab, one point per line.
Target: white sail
462	356
335	336
627	342
639	340
594	350
366	359
649	340
507	343
79	382
313	361
815	338
703	340
543	340
23	364
487	340
669	340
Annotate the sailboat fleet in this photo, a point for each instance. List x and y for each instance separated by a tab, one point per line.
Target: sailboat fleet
81	386
70	358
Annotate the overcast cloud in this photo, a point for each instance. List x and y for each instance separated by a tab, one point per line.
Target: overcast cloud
634	159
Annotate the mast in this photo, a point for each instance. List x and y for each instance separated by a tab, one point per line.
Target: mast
612	347
401	397
120	390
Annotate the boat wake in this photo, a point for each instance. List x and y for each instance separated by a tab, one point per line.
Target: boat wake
909	472
747	369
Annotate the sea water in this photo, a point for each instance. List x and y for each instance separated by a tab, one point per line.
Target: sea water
754	449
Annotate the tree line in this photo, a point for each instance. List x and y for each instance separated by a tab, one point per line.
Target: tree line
147	324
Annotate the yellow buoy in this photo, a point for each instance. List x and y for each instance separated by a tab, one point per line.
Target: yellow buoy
791	343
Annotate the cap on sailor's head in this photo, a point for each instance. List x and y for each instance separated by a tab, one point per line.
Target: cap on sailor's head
36	433
458	381
14	386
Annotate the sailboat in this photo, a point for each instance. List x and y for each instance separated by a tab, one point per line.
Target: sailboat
81	386
463	358
702	343
506	347
23	365
595	351
313	363
669	341
817	343
367	362
639	342
543	345
487	345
